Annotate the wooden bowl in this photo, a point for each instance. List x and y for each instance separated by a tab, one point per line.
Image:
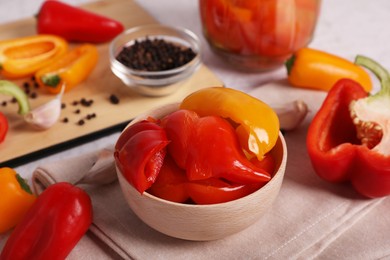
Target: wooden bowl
204	222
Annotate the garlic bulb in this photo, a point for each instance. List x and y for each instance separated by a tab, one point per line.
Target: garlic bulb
46	115
291	114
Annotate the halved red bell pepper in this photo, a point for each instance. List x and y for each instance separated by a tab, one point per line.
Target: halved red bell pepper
3	127
76	24
52	226
208	147
335	151
140	153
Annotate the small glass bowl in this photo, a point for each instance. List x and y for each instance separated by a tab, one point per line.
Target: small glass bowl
154	83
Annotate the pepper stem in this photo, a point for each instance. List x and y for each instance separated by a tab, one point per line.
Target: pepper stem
380	72
289	64
22	182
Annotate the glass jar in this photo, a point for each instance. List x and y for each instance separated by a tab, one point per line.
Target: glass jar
258	34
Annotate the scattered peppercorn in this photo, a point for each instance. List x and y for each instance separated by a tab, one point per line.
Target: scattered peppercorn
114	99
85	102
81	122
65	120
33	95
63	105
4	103
90	116
77	111
75	103
155	55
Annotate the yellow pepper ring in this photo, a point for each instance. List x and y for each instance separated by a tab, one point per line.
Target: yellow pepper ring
23	56
258	124
68	69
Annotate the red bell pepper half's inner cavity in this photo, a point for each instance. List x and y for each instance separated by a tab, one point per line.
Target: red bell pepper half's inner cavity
140	158
208	147
331	137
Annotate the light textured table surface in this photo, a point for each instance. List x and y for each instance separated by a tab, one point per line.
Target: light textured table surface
345	28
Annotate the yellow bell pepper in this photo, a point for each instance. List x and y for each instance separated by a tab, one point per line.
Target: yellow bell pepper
15	200
257	123
69	69
23	56
310	68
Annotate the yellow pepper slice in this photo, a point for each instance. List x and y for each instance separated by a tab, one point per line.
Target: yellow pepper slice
15	200
69	69
258	124
23	56
310	68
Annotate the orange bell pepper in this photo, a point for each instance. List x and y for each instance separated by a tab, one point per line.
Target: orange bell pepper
310	68
257	123
69	69
23	56
15	200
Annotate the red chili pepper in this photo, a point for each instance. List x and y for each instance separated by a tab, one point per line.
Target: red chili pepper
335	151
208	147
140	153
3	127
52	227
76	24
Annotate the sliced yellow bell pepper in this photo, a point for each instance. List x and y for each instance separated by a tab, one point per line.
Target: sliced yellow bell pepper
69	69
15	200
257	123
23	56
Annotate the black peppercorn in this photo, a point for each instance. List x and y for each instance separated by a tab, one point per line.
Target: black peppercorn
155	55
114	99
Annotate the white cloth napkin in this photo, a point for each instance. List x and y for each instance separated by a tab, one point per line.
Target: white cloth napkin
310	218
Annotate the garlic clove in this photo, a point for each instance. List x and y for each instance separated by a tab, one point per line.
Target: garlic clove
291	114
46	115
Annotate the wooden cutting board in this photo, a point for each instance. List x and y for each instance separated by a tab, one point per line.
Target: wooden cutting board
23	142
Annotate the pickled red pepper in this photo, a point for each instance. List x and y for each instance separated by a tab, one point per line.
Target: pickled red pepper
201	153
266	28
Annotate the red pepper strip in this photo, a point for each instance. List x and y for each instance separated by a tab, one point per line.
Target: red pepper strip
134	129
140	158
208	147
268	163
170	183
3	127
76	24
52	227
336	153
215	190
